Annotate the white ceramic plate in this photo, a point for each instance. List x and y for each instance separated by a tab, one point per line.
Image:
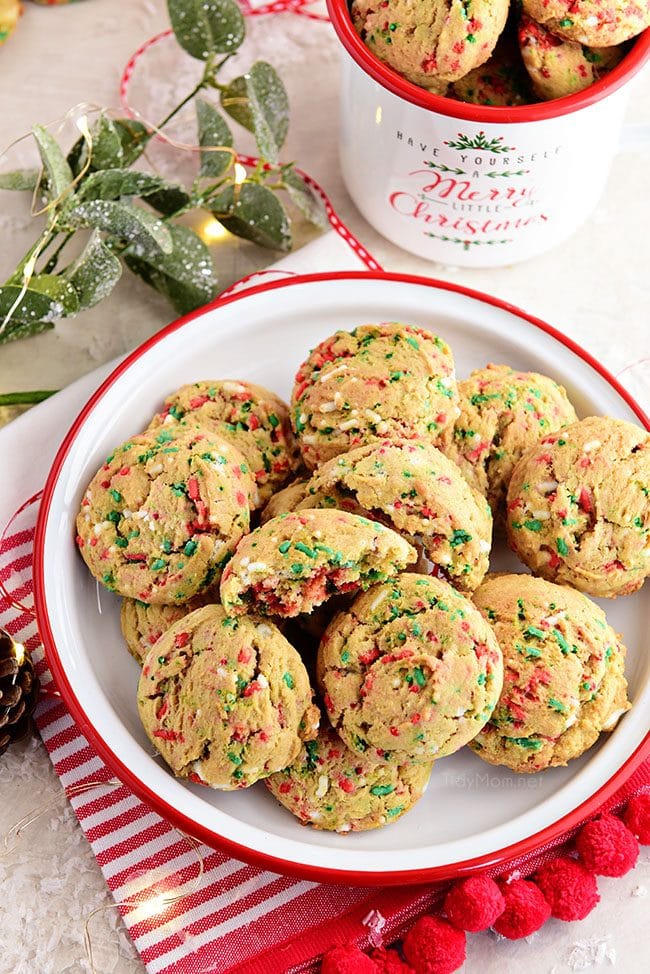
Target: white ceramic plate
472	813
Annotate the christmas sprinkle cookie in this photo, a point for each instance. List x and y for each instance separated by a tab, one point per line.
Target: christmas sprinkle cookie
142	625
163	515
579	507
295	562
563	673
284	501
250	417
414	489
430	42
411	672
598	23
225	701
501	81
338	790
378	381
503	413
559	67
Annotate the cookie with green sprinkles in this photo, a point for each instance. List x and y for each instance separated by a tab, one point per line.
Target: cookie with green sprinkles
503	412
579	507
142	625
297	561
162	516
563	673
430	42
383	381
411	672
598	23
249	416
413	488
225	701
335	789
559	67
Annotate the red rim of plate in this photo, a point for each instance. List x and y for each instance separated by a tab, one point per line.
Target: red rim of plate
500	857
395	83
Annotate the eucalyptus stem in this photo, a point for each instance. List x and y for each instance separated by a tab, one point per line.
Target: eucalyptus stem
25	398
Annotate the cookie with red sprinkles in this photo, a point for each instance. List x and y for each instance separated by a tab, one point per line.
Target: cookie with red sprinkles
559	67
413	488
297	561
430	43
380	381
578	507
225	701
142	625
411	672
249	416
338	790
503	413
598	23
162	516
563	673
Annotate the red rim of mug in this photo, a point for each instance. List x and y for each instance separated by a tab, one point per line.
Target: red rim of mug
499	858
539	111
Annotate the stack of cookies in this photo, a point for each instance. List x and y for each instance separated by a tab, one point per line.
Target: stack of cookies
353	638
489	53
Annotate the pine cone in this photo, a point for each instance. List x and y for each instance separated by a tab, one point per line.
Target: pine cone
18	691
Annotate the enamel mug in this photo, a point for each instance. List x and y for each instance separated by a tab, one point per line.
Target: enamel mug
470	185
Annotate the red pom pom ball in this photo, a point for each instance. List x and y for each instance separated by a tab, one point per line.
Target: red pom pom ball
637	817
347	960
390	962
569	888
474	903
433	946
525	912
607	847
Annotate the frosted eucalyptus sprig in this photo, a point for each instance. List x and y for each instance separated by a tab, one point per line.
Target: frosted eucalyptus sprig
128	216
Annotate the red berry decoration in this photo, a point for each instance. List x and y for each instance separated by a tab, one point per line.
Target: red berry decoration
433	946
390	962
637	817
347	960
607	847
474	903
525	912
571	889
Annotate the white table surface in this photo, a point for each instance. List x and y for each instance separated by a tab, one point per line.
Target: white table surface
595	287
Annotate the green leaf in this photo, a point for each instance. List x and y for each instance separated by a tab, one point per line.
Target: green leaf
13	333
258	101
204	27
20	179
255	213
134	137
213	131
308	202
26	398
112	184
185	277
169	199
47	298
59	174
125	221
234	100
106	151
94	273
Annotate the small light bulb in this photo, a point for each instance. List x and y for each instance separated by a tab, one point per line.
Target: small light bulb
240	173
211	231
